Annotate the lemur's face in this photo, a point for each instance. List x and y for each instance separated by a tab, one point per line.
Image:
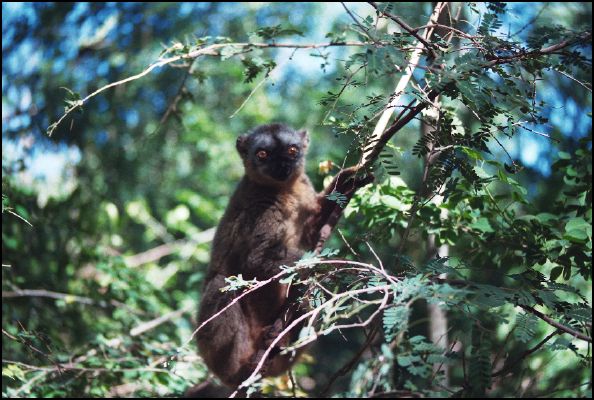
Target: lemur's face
273	152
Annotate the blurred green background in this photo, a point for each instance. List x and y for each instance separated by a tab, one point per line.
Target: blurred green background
115	181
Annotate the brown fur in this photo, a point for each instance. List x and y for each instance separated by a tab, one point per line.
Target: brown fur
273	217
262	229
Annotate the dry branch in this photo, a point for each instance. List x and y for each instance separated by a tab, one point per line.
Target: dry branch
156	253
147	326
68	298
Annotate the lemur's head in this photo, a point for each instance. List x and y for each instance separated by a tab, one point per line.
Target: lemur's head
273	154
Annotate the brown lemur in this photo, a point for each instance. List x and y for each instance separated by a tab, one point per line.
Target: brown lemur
272	219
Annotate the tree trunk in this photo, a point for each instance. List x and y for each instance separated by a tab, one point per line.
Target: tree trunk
438	321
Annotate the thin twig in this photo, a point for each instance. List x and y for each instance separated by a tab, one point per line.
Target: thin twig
347	243
68	298
147	326
511	365
373	143
156	253
430	46
584	85
293	384
450	28
74	367
529	309
8	210
249	96
342	89
311	315
529	23
350	364
583	37
172	108
556	324
365	30
211	50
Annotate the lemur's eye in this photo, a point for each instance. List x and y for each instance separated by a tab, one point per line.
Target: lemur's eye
292	151
262	154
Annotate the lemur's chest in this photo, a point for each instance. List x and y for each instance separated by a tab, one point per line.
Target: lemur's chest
298	207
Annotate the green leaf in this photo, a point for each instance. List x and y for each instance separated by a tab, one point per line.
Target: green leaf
337	197
13	371
395	319
483	225
393	202
237	282
271	32
578	230
556	273
580	312
546	217
525	327
472	153
287	280
328	252
404	360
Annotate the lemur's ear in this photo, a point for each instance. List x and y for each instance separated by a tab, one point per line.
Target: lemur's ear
304	138
241	145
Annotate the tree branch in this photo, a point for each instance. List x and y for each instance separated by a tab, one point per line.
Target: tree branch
181	91
331	211
583	37
365	30
385	136
531	310
556	324
166	249
73	367
368	153
379	139
350	364
68	298
430	46
147	326
311	315
211	50
509	366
